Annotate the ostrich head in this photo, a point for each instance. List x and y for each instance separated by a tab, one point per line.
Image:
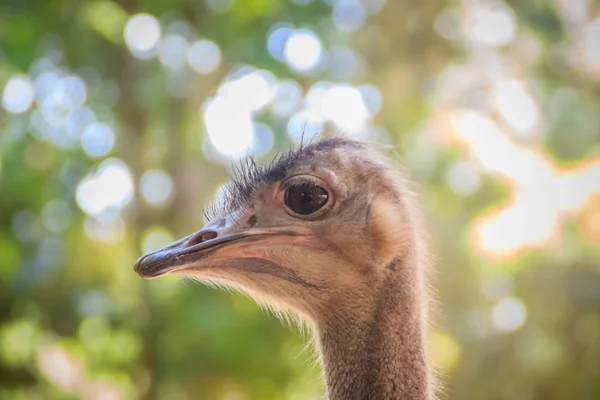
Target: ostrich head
314	229
329	233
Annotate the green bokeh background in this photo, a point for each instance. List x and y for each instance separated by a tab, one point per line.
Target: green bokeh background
77	323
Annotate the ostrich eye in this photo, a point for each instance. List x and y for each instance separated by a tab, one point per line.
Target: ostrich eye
305	198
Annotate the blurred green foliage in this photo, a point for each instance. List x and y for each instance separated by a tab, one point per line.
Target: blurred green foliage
76	322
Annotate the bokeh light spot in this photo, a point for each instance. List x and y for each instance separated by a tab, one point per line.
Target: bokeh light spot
78	120
444	350
371	97
447	24
314	97
498	285
71	92
18	94
45	86
591	49
60	367
492	24
344	63
156	187
110	187
304	124
18	340
26	226
509	314
107	227
349	15
277	38
463	179
94	332
97	140
156	237
173	51
251	91
142	35
204	56
219	6
303	50
374	6
287	98
56	215
263	139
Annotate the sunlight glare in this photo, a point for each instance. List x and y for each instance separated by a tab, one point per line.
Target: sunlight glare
344	105
573	188
532	217
528	221
489	146
229	127
228	116
516	106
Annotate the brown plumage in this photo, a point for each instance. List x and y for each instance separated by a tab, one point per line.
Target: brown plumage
330	233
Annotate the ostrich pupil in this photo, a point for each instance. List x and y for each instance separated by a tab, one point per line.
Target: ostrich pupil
305	198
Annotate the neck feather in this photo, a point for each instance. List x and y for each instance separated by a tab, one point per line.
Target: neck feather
378	352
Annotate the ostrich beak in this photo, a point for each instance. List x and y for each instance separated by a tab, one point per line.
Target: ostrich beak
202	247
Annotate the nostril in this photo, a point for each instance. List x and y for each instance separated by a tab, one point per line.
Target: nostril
201	236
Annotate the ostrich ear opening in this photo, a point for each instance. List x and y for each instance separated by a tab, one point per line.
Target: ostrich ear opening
390	228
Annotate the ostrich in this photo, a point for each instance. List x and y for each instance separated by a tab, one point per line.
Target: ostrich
329	233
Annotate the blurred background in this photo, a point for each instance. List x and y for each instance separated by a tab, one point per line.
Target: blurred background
118	122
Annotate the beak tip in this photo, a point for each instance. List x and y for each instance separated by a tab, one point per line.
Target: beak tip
147	268
140	267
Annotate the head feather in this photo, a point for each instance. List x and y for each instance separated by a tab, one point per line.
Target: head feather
247	176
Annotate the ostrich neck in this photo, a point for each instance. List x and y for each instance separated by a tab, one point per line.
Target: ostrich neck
378	351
